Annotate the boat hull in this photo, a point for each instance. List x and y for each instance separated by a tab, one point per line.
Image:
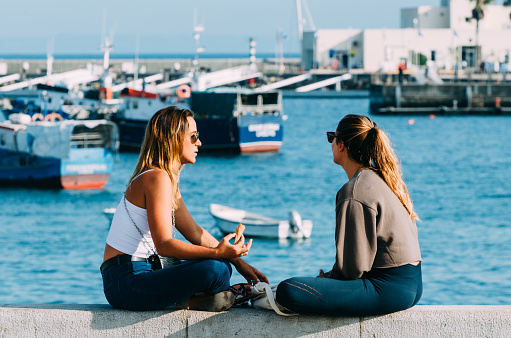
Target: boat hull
277	230
244	121
227	219
246	134
84	169
260	133
131	133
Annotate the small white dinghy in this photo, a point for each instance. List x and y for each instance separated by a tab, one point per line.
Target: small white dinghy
109	213
260	226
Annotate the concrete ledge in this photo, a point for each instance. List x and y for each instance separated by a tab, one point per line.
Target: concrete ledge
104	321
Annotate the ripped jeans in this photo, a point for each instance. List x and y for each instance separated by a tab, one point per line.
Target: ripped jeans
377	292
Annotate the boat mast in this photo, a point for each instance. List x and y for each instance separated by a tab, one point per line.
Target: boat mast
197	30
135	76
107	46
49	61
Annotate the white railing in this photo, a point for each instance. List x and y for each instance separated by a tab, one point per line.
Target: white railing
324	83
283	83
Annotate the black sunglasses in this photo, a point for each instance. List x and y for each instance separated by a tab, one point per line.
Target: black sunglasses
330	135
194	137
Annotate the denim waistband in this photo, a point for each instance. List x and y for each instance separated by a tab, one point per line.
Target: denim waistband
120	259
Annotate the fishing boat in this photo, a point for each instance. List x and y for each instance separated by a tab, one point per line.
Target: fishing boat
256	225
135	110
65	154
243	120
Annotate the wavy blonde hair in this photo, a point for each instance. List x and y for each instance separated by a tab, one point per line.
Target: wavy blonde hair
163	145
369	145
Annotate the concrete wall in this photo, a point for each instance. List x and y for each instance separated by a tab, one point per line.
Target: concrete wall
38	66
103	321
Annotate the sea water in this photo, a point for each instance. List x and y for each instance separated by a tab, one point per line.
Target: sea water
457	170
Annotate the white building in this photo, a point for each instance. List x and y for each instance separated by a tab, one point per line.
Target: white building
445	35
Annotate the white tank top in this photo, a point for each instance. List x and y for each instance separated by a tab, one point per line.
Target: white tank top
123	235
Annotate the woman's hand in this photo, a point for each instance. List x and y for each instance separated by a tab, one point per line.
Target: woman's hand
251	274
230	251
323	274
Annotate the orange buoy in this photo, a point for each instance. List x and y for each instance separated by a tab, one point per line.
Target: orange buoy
183	91
411	121
56	116
53	116
37	117
432	116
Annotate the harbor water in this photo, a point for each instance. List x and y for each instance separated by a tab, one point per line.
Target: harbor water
456	168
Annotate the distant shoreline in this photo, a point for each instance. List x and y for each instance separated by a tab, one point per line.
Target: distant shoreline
142	56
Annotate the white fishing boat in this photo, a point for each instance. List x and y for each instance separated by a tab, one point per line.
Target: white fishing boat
260	226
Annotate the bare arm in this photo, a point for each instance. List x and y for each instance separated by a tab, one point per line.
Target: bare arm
152	191
199	236
190	229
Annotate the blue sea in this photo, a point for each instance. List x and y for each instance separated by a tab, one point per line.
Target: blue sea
457	170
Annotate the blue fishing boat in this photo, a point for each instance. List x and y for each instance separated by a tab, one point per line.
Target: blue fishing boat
242	120
134	112
66	154
239	119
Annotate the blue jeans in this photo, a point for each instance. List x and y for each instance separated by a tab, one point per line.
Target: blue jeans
135	286
379	291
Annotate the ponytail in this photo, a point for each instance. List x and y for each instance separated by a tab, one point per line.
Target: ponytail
369	145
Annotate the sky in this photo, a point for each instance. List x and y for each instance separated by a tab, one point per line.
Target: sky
165	26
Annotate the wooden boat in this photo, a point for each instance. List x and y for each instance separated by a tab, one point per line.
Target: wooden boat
260	226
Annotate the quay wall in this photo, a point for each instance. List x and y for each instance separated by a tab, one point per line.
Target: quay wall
457	95
104	321
152	66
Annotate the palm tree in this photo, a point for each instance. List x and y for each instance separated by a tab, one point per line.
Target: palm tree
478	14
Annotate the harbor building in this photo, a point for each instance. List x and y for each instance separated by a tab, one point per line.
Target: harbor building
446	37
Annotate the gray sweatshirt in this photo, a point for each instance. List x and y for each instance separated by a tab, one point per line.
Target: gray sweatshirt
373	228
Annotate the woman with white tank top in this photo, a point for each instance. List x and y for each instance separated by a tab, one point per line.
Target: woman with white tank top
144	225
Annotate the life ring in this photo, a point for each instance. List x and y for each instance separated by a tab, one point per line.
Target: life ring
37	116
183	91
53	116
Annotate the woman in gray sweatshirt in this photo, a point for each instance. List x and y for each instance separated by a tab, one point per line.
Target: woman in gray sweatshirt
377	266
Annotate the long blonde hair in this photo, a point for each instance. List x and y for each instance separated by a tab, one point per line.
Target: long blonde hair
369	145
163	145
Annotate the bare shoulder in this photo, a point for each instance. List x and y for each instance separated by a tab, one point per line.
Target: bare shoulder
150	183
153	179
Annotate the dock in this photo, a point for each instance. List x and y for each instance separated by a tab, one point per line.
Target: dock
478	99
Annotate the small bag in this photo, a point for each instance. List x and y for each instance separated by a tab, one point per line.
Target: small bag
157	262
265	299
169	261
